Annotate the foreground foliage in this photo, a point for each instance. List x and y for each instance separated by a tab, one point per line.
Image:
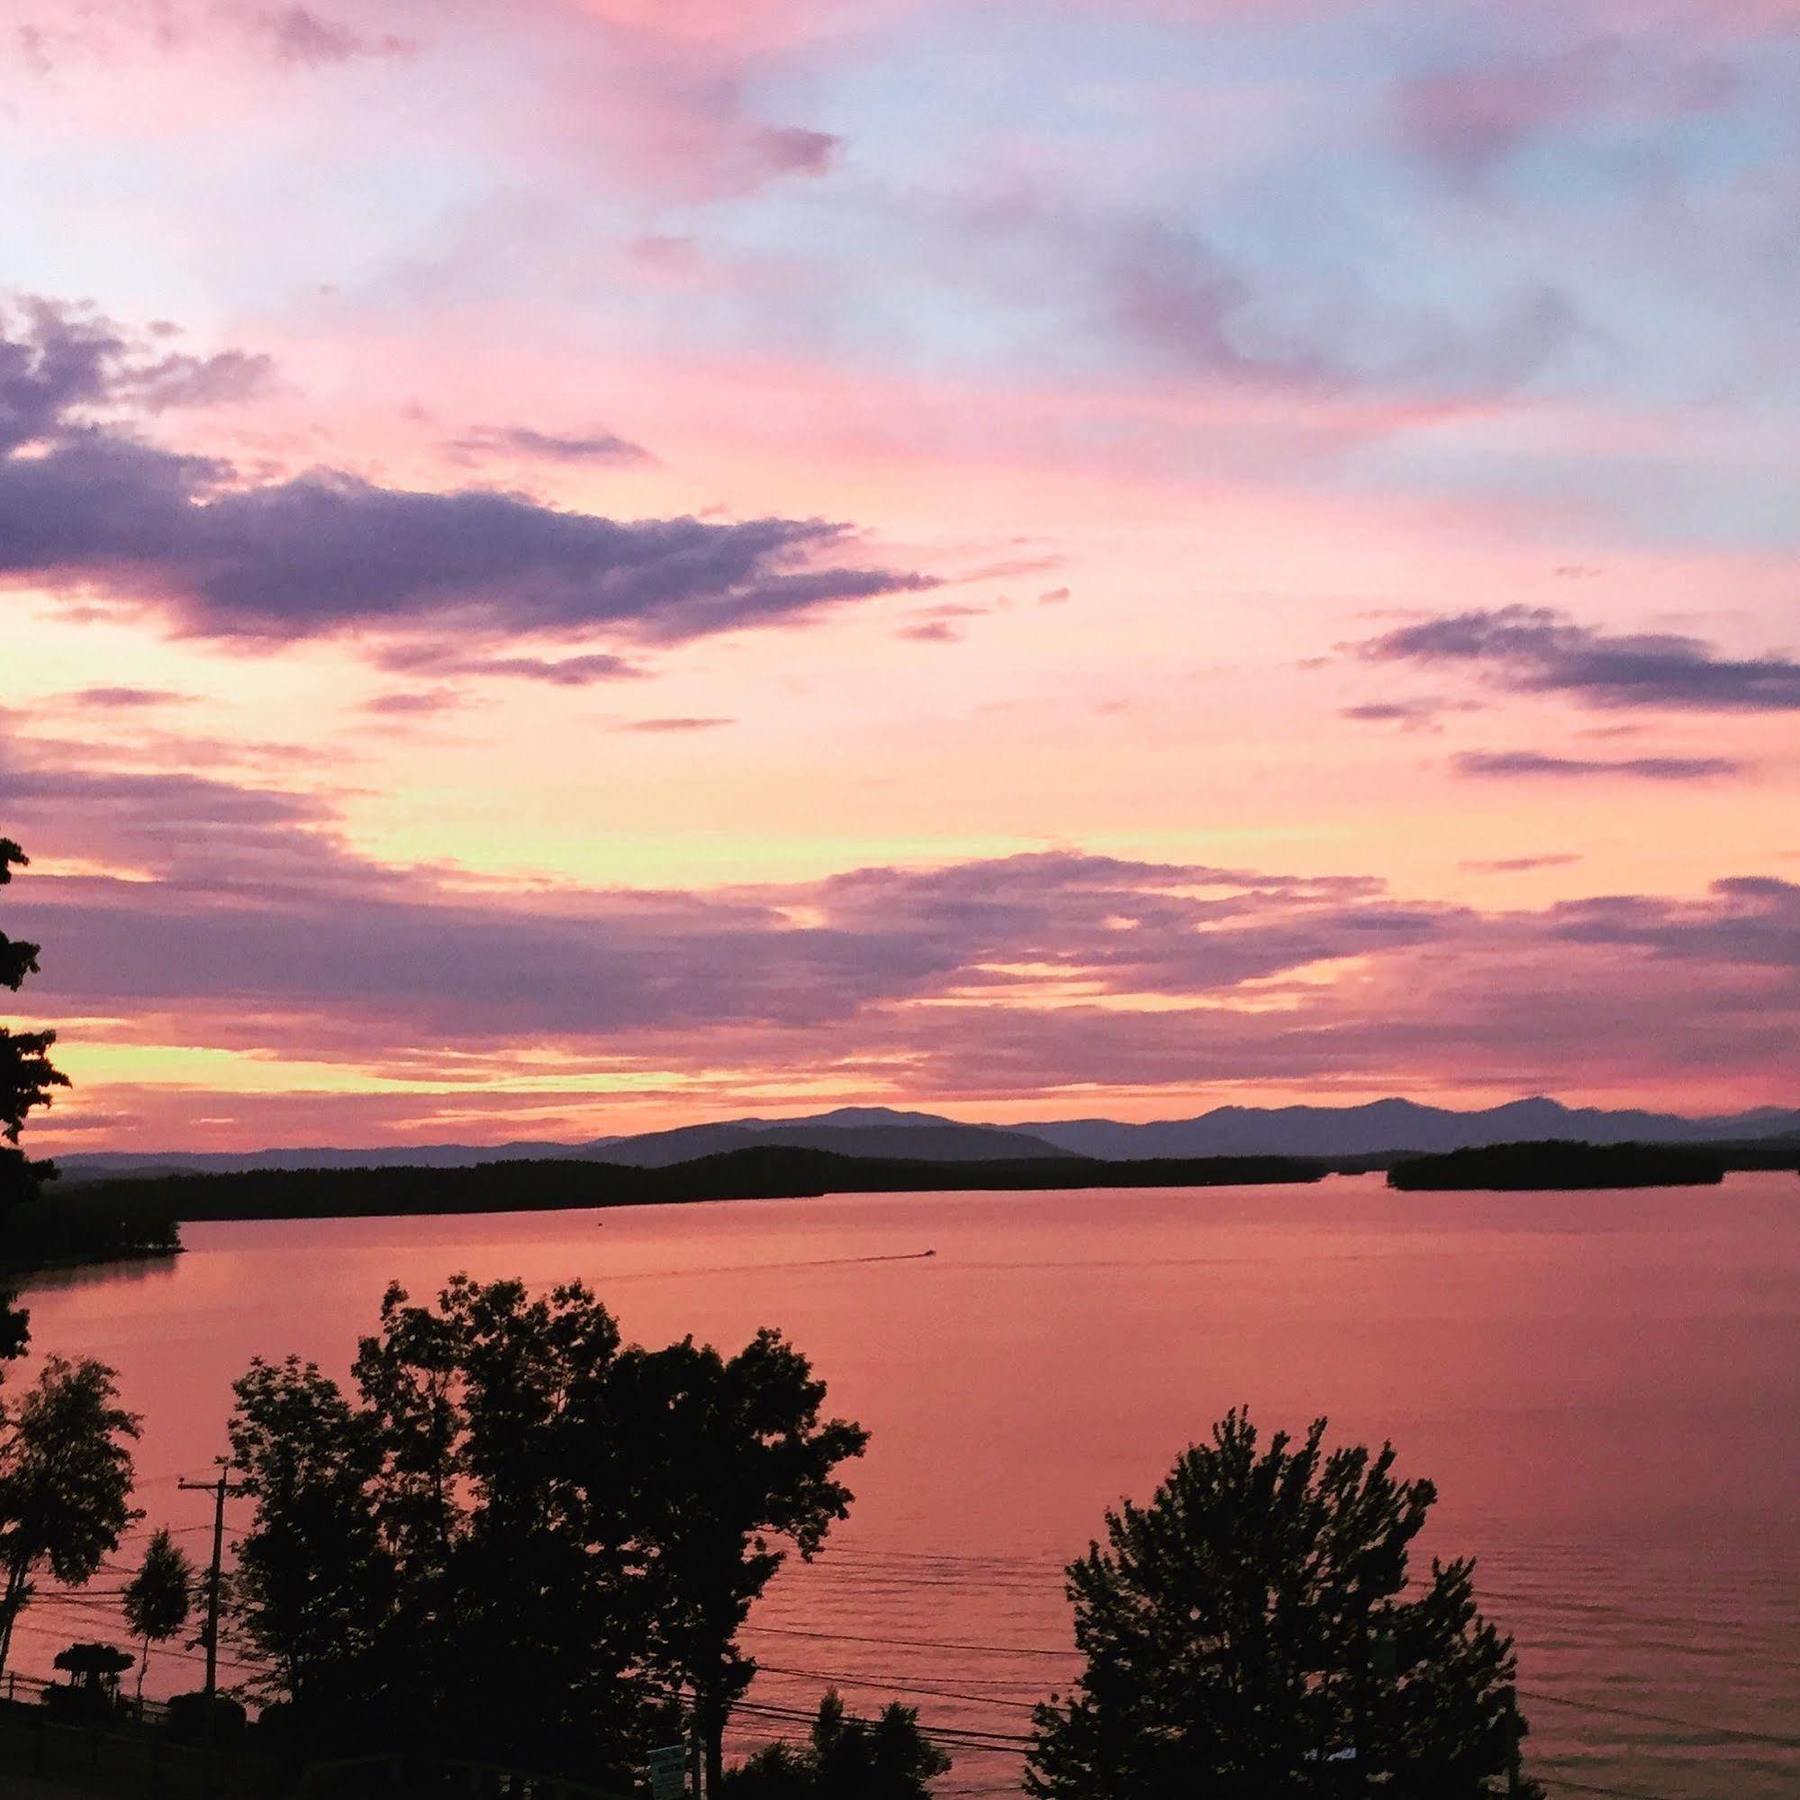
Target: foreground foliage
27	1077
885	1758
65	1482
159	1597
520	1534
1252	1632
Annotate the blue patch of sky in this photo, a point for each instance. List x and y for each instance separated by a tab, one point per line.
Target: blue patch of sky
1674	501
207	228
1344	235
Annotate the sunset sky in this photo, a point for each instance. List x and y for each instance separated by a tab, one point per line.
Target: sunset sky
579	565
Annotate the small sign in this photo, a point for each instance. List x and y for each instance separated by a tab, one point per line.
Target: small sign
668	1772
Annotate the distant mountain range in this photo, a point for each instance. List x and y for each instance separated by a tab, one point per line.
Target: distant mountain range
1381	1127
1386	1125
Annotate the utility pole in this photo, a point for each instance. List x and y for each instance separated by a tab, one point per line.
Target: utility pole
221	1490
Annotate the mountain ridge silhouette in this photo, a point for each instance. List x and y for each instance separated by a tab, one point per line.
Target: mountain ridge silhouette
1375	1128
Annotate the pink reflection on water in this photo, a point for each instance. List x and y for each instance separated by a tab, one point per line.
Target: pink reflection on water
1605	1388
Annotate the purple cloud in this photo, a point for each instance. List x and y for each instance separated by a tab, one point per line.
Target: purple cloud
113	30
328	552
1750	921
438	661
1518	865
332	932
1008	975
183	827
1506	763
550	446
58	362
1170	294
1411	715
1469	120
415	703
120	699
299	35
794	150
1534	649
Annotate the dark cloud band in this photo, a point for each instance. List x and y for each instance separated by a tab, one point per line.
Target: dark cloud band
1539	650
83	500
1503	763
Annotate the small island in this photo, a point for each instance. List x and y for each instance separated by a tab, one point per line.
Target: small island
1559	1165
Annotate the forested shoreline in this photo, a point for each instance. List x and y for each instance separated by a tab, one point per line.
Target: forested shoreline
141	1216
550	1185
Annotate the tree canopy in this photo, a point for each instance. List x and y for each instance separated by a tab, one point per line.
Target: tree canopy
517	1531
726	1460
159	1597
93	1665
27	1077
65	1482
884	1758
1252	1632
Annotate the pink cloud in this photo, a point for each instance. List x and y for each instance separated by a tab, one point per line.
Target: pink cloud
252	928
1469	120
652	98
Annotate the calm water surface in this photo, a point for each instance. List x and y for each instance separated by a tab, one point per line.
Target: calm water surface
1606	1388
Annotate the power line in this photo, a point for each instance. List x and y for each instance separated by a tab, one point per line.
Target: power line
131	1537
971	1737
991	1575
1590	1787
845	1637
996	1572
1654	1718
867	1553
1557	1603
886	1686
43	1630
985	1692
1535	1694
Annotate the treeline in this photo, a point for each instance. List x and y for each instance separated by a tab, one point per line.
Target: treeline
1557	1165
140	1215
66	1229
763	1173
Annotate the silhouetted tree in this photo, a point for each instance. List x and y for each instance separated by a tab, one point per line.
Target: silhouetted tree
1248	1633
65	1482
314	1577
486	1406
726	1461
518	1536
885	1758
159	1597
93	1671
26	1078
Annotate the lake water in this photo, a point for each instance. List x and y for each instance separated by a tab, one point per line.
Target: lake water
1605	1387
